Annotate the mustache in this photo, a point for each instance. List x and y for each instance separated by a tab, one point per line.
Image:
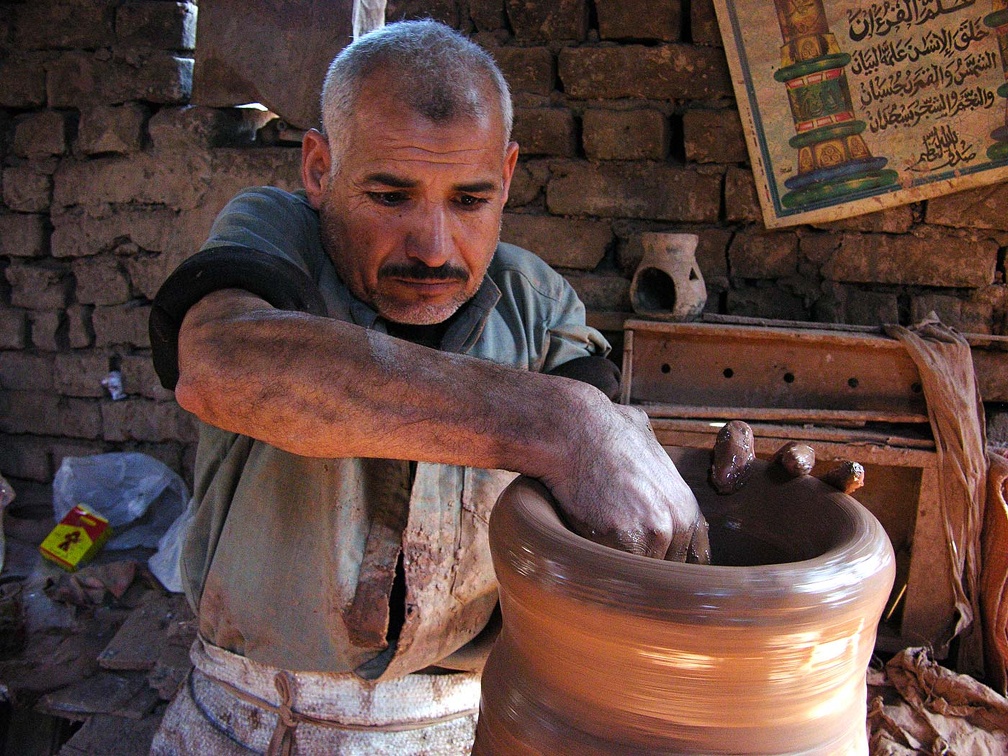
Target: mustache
420	272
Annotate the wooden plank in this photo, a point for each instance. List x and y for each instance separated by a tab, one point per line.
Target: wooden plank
123	695
104	735
711	365
144	634
929	604
897	444
851	418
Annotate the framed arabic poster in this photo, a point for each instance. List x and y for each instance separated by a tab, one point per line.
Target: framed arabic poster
852	106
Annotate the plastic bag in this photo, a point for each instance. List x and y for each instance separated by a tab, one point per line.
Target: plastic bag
139	495
166	563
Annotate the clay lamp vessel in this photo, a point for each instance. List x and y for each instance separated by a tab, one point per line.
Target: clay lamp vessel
765	651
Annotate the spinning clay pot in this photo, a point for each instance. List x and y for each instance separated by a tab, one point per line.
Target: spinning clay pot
765	651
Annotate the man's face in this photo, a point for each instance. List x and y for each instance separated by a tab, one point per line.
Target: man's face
411	219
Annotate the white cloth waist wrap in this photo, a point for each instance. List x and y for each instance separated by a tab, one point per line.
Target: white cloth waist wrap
339	701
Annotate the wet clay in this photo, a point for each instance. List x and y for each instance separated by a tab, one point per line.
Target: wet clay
795	458
848	476
765	651
732	457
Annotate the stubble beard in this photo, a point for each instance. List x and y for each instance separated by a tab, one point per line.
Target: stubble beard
389	307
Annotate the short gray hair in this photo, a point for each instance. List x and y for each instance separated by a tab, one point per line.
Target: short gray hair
447	76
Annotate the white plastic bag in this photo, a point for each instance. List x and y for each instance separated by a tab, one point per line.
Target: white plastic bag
139	495
166	563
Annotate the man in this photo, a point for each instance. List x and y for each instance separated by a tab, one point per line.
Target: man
345	595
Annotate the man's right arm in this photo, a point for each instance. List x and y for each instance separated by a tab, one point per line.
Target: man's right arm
320	387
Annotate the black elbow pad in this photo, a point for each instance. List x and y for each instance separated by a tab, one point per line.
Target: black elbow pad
277	280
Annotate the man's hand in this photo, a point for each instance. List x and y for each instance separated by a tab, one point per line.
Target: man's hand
618	487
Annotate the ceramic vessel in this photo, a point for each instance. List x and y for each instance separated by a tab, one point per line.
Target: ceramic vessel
766	651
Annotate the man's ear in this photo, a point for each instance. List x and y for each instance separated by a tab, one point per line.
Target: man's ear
315	163
510	161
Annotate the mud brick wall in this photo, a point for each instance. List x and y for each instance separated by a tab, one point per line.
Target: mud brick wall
627	121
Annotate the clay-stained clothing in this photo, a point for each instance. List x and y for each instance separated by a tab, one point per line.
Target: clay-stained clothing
290	559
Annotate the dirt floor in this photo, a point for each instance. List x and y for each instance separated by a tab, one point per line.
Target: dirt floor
88	660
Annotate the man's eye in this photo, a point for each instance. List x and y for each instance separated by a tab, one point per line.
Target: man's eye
389	199
470	201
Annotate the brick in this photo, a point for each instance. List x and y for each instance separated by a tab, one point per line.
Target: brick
84	24
25	458
235	169
444	11
121	325
80	335
38	286
741	200
561	242
640	134
893	220
78	233
913	260
964	315
48	414
761	254
193	126
79	374
78	80
601	292
115	129
23	235
47	328
27	188
765	302
665	72
871	308
22	83
714	136
176	180
560	19
140	378
986	207
545	131
169	26
639	19
634	190
526	69
712	256
41	135
13	328
136	419
26	371
101	280
704	24
525	185
488	15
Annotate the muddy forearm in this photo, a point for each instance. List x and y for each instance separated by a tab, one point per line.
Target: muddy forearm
323	388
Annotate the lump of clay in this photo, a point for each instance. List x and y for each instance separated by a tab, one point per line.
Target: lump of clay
732	458
795	458
848	477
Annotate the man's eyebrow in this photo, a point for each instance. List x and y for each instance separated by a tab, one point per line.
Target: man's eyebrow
477	187
390	179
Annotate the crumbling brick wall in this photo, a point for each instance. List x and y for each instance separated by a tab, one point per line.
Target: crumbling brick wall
626	117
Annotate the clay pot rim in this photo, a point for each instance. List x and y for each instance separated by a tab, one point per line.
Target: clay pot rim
540	548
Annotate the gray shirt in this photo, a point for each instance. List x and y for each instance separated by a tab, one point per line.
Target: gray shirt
290	559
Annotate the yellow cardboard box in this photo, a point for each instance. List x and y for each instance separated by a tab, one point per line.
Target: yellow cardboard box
76	539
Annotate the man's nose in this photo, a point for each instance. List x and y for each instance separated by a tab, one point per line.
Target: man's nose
429	240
